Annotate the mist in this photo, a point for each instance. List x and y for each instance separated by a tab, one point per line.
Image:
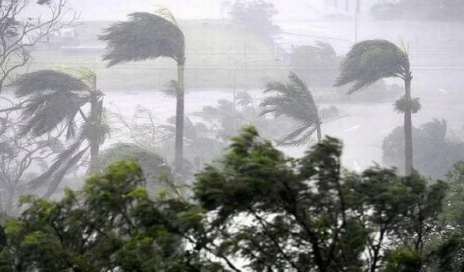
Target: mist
176	85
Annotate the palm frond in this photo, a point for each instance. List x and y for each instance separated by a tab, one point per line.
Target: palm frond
293	99
42	113
275	86
47	80
60	160
298	137
166	14
172	89
369	61
244	99
144	36
59	175
52	97
86	75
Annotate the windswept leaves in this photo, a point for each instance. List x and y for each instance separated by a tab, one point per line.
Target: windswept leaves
47	80
52	98
293	99
371	60
144	36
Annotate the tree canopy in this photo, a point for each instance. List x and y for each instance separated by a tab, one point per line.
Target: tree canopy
254	210
144	36
371	60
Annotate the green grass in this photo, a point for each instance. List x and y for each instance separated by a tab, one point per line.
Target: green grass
219	55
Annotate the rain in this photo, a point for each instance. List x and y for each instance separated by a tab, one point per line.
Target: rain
176	86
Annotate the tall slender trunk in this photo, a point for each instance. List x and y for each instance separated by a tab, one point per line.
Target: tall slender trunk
95	123
180	108
319	131
408	152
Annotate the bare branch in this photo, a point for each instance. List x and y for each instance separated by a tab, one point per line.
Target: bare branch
18	37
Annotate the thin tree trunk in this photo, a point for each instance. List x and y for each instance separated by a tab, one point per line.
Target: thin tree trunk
408	152
95	123
180	108
319	131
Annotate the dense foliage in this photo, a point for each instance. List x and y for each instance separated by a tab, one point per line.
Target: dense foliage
256	210
154	167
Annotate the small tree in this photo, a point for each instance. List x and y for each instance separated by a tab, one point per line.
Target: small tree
111	224
19	36
156	171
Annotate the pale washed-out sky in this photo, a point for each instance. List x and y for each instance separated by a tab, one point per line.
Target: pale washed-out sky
189	9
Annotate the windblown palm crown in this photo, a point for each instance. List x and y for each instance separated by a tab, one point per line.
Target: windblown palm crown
294	100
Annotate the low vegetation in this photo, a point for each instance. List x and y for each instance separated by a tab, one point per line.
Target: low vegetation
255	210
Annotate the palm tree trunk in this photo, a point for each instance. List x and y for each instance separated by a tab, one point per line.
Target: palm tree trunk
319	131
180	108
94	139
408	152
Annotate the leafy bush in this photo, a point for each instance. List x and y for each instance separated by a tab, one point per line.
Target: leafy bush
153	166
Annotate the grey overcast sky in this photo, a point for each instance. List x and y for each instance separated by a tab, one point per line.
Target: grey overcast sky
188	9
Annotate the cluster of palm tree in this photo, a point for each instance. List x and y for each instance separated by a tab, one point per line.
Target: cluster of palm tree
54	99
366	63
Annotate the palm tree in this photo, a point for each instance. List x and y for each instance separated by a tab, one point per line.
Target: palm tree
294	100
52	102
149	36
369	61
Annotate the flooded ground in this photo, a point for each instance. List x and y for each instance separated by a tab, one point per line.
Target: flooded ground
362	129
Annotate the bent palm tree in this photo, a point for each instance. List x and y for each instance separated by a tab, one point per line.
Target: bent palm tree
53	100
294	100
369	61
149	36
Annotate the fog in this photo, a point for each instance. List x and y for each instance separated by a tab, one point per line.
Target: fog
226	58
131	128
